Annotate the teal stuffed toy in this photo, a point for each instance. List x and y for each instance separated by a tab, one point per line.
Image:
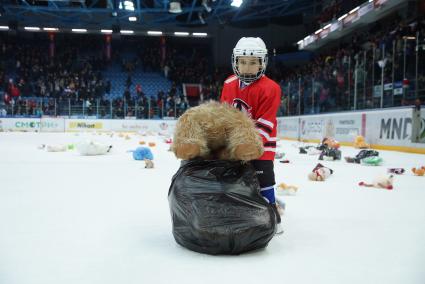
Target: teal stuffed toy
372	161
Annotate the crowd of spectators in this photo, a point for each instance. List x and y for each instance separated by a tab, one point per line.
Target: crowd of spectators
327	82
73	82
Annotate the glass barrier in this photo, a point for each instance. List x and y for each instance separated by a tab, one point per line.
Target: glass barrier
387	75
148	108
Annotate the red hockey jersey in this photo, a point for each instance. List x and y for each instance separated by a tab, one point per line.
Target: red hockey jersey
260	100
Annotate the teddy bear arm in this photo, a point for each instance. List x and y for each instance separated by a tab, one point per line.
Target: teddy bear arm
244	143
189	139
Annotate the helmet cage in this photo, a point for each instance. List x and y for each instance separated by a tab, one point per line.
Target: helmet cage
249	78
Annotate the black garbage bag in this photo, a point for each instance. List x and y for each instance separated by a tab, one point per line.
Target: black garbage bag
216	208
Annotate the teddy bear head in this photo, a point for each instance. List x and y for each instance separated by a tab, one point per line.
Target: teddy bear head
317	175
419	171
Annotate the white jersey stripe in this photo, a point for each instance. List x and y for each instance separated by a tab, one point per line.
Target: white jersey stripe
266	135
266	122
231	79
269	149
266	188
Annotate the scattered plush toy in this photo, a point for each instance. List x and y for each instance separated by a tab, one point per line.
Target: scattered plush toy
330	142
371	161
385	182
320	173
397	171
71	146
216	131
309	149
142	142
168	141
361	155
149	164
92	148
142	153
284	189
279	155
127	137
121	135
419	171
330	154
56	148
359	143
313	151
151	144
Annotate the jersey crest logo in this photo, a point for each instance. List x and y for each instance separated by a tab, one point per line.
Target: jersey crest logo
242	106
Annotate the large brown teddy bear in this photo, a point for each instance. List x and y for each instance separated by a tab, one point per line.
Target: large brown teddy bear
216	131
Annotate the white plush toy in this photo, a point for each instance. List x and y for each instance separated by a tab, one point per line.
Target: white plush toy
56	148
320	173
313	151
91	148
383	181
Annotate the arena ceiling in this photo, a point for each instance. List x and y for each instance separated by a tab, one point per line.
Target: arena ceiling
153	13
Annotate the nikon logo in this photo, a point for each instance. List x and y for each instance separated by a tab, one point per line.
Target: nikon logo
96	125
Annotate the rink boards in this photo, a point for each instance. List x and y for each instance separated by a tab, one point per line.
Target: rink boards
50	124
388	129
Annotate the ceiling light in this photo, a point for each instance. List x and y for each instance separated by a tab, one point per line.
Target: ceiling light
154	33
31	28
79	30
342	17
50	29
236	3
354	10
199	34
126	32
181	33
132	19
106	31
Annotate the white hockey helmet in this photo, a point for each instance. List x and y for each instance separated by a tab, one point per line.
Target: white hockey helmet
250	46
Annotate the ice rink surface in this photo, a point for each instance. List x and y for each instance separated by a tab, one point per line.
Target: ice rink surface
71	219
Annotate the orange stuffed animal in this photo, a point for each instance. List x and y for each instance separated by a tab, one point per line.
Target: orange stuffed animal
332	143
419	171
284	189
360	143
